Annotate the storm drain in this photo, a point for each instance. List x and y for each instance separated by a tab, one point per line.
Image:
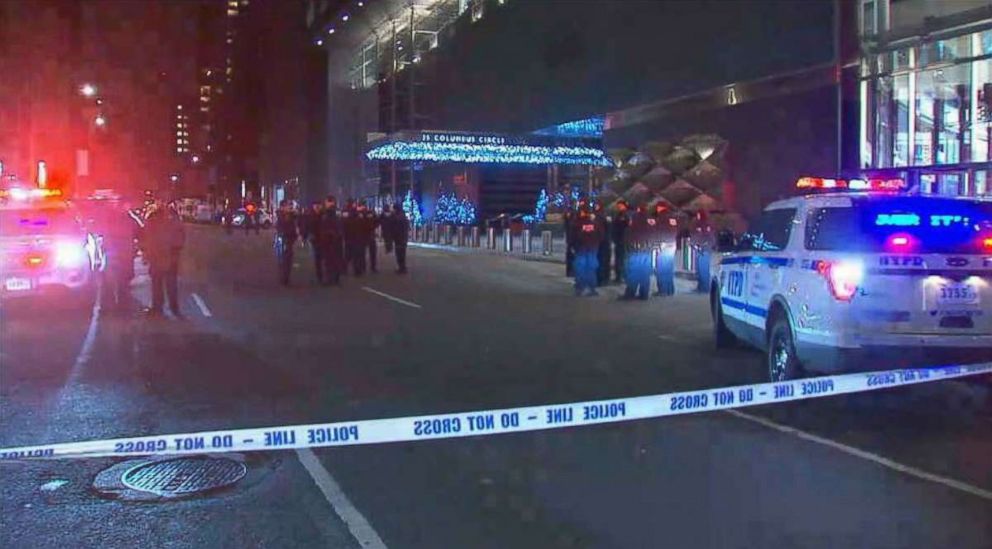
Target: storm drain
184	476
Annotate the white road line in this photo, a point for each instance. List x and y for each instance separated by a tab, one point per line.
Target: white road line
359	527
392	298
202	305
884	462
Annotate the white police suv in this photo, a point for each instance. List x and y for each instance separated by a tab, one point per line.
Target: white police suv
857	274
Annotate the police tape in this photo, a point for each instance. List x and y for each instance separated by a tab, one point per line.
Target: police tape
490	422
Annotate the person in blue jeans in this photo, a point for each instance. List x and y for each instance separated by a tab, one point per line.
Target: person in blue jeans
665	271
637	264
703	240
664	227
587	232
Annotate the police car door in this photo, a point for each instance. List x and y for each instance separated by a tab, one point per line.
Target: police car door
769	262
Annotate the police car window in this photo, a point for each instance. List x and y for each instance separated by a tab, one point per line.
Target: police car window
770	233
901	224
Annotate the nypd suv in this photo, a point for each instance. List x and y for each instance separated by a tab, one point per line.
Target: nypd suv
857	273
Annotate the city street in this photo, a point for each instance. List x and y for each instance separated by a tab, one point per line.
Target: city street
908	467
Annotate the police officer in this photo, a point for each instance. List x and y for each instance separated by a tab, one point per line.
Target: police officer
162	242
371	222
702	238
311	233
118	242
286	234
331	242
665	228
354	249
618	233
637	241
399	229
603	254
569	219
587	234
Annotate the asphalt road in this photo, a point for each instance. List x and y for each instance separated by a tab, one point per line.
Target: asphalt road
908	467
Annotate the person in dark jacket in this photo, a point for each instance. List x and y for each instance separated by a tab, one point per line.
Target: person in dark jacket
118	242
371	223
618	234
286	234
331	231
311	233
354	244
228	219
638	256
386	222
603	254
569	218
162	243
587	233
399	229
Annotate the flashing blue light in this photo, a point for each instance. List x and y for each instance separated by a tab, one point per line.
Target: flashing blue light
897	220
490	153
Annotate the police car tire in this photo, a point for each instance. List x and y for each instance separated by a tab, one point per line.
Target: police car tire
722	336
781	333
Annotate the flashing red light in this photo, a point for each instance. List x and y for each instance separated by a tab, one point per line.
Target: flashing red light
843	278
34	260
987	243
852	184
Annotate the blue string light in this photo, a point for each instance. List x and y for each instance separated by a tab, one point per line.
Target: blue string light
452	211
412	209
588	127
489	153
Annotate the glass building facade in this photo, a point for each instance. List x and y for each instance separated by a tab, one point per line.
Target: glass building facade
926	94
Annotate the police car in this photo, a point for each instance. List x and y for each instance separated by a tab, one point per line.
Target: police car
856	274
43	244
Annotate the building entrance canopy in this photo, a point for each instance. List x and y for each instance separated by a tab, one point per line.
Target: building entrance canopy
487	148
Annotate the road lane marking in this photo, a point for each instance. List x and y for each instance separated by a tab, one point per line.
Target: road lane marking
392	298
857	452
202	305
359	527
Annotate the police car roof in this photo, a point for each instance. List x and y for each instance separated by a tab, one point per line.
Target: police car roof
835	197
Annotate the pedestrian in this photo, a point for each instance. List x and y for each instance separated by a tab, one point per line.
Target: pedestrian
163	239
312	234
703	240
354	243
331	231
638	256
569	219
118	244
371	223
386	222
587	233
618	234
400	233
286	234
604	252
228	220
665	228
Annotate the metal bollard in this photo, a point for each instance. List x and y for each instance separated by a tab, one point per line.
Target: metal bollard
448	239
507	241
475	237
547	243
436	234
491	238
460	234
525	243
416	233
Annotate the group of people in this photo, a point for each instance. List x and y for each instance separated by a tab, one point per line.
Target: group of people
641	243
340	241
160	235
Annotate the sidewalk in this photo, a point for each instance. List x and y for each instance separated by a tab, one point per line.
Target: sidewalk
557	254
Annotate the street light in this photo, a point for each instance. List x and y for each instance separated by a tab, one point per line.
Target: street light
195	159
100	121
174	177
88	90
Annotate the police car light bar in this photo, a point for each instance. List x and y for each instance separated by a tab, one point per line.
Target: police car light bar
852	184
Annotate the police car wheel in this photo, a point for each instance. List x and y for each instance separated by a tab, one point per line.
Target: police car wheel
783	364
721	334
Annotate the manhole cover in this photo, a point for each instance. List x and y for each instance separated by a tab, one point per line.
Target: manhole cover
184	476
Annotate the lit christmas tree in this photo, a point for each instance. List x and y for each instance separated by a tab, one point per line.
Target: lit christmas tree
412	209
465	213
